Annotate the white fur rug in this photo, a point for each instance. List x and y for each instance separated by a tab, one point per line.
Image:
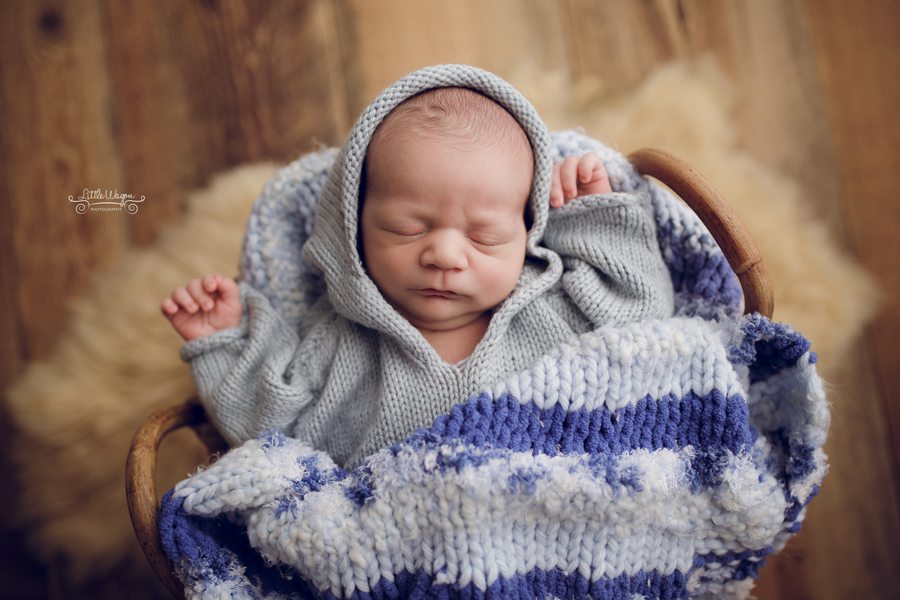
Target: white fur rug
118	360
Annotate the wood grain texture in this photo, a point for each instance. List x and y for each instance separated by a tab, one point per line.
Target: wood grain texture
212	84
53	149
619	43
765	47
860	69
384	42
859	65
154	98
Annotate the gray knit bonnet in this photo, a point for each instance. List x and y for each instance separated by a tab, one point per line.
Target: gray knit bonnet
332	247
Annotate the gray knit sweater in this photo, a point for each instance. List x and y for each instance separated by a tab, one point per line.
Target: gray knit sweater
360	376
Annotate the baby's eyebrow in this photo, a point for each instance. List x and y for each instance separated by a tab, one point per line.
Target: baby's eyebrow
492	226
484	224
400	219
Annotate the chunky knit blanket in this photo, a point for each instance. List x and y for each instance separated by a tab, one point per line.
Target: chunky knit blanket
659	459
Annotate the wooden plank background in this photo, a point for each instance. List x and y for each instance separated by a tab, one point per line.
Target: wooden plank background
154	98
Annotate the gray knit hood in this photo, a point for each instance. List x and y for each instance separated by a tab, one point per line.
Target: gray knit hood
332	247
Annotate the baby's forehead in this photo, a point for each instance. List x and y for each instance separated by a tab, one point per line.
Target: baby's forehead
453	114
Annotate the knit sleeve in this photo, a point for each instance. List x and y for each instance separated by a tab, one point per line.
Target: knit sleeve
613	268
257	376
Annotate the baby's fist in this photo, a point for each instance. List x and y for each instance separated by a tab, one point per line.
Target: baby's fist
578	176
204	306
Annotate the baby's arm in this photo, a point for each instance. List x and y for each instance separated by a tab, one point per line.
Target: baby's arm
203	307
578	176
614	238
259	374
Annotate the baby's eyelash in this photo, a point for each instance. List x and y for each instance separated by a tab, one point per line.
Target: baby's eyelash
404	230
483	241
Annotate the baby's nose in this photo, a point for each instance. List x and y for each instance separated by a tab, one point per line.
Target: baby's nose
445	249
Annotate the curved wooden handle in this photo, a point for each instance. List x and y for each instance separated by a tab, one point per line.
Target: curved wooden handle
140	478
719	218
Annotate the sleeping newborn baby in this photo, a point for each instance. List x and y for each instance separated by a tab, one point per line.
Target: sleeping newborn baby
445	268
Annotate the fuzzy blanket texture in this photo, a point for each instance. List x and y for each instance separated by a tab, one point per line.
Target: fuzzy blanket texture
659	459
75	413
587	476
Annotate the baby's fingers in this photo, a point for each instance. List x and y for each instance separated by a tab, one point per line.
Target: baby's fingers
169	308
195	288
592	176
211	283
228	289
182	297
556	193
568	177
586	167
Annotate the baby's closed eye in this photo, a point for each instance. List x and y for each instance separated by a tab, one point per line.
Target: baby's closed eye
485	241
405	231
403	227
489	237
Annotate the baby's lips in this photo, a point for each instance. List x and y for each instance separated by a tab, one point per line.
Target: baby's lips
437	293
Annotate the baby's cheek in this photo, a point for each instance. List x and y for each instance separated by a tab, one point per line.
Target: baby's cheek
384	264
503	275
400	259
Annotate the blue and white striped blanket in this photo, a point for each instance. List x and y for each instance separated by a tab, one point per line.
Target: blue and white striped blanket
660	459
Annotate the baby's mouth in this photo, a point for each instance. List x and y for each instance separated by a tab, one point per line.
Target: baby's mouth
436	293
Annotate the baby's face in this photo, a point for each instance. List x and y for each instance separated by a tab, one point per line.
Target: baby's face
443	228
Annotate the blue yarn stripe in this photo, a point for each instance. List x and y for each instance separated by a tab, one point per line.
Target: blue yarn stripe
208	559
769	348
209	550
697	270
744	564
203	543
713	422
537	583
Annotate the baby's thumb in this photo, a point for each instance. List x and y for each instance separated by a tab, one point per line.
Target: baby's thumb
229	291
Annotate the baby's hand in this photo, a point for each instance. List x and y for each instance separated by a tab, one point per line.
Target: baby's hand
578	176
204	306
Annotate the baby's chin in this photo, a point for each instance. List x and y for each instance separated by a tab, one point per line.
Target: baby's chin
442	320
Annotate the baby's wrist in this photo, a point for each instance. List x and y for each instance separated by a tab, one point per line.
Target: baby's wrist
223	339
